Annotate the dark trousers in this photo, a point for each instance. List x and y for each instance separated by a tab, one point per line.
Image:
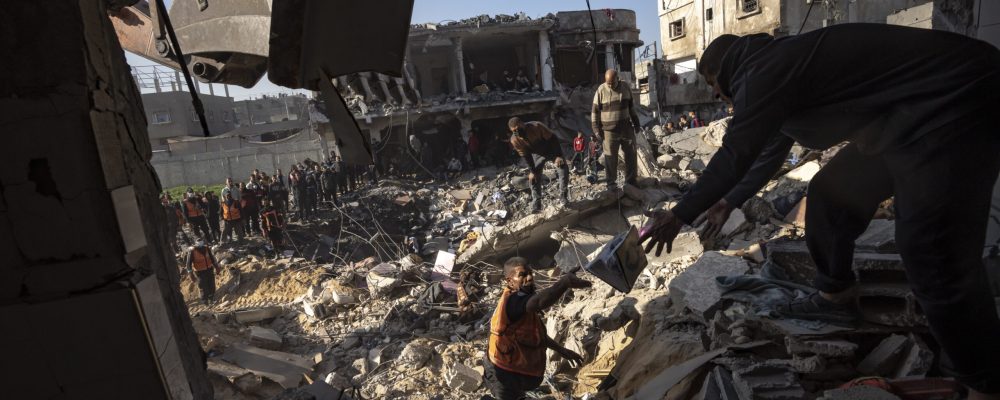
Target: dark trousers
942	199
199	226
251	216
213	224
301	202
624	139
562	175
577	160
206	284
506	385
232	227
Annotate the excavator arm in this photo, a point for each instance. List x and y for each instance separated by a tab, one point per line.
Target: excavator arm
301	44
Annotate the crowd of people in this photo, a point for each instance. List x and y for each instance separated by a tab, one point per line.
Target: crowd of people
259	206
691	120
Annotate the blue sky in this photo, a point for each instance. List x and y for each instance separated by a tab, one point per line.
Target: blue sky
442	10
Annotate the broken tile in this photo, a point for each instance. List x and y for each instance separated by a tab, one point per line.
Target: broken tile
882	360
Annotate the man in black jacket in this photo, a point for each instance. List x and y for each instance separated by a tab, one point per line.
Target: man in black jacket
914	105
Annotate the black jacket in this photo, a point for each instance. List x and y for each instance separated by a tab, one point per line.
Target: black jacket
882	87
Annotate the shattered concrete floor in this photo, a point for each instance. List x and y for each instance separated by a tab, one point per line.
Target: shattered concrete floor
349	306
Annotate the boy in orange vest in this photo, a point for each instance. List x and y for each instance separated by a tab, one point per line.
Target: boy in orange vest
201	260
515	362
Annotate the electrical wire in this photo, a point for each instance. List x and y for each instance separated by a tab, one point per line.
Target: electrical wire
811	4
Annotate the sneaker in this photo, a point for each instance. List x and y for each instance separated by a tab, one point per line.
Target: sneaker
815	307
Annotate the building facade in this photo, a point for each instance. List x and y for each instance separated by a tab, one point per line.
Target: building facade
688	26
468	77
171	115
271	108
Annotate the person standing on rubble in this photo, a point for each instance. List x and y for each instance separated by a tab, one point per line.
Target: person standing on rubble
694	121
278	193
175	218
311	189
232	215
474	148
612	110
194	215
914	105
200	262
579	146
212	212
272	225
329	181
230	189
251	206
515	360
536	144
298	182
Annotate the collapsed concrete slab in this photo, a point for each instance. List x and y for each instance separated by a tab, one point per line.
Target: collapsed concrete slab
462	377
768	382
825	348
696	287
497	241
265	338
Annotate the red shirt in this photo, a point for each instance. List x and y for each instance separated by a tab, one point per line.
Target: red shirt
578	144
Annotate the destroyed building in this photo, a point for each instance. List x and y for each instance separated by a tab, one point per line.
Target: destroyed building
271	108
687	27
455	85
95	306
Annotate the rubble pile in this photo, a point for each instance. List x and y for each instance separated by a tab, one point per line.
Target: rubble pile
389	296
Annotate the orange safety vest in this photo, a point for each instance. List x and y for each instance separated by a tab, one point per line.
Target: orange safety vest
200	260
230	213
192	208
517	347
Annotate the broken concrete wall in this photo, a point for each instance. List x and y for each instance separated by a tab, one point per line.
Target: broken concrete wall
79	206
213	167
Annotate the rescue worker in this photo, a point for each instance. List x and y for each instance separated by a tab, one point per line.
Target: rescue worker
915	106
536	144
250	202
515	360
194	215
201	262
611	113
232	214
272	225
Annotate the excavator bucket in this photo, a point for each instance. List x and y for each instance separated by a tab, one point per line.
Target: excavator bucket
313	41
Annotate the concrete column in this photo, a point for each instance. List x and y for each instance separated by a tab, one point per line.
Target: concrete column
546	59
177	78
226	88
402	92
609	57
91	220
156	82
460	64
363	77
382	82
466	128
211	89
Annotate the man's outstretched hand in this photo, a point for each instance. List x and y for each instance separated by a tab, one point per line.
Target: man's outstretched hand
715	218
662	228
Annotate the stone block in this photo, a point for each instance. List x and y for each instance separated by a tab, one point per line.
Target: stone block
768	382
825	348
265	338
891	304
256	315
462	377
415	355
668	161
916	361
735	222
879	237
696	287
883	359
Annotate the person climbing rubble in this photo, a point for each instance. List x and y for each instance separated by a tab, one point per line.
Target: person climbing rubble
536	144
515	360
914	105
200	262
611	111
